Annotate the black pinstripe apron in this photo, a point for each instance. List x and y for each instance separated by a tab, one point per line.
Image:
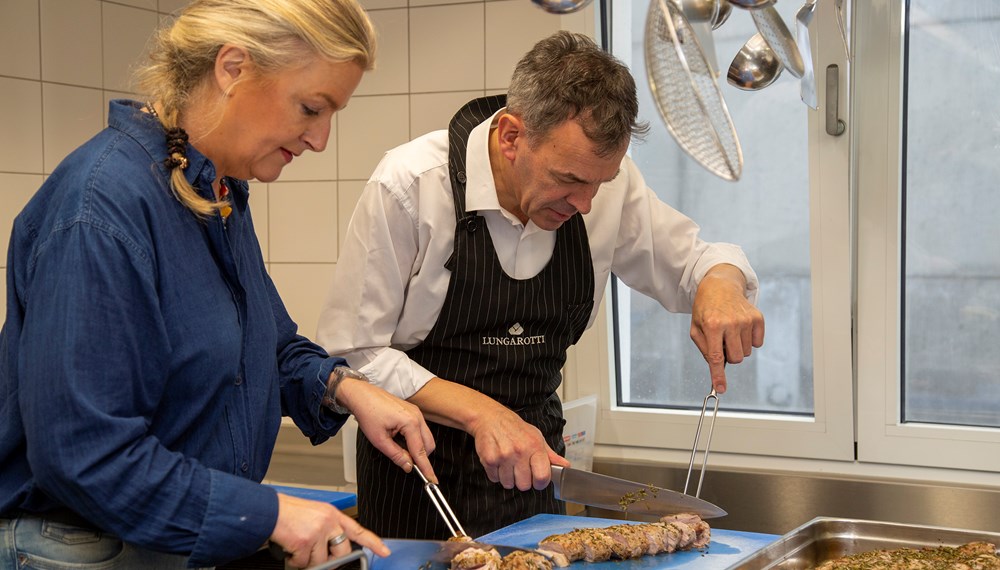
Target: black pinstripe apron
504	337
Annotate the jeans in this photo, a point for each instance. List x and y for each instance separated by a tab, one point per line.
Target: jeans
33	543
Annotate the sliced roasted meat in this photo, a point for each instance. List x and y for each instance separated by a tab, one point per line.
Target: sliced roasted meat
521	560
627	541
476	559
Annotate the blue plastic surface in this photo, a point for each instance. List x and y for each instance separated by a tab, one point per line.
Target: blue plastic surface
336	498
726	548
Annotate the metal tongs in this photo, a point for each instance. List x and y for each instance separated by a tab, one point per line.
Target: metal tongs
442	506
697	438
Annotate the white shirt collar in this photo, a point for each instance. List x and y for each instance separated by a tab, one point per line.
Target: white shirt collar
480	188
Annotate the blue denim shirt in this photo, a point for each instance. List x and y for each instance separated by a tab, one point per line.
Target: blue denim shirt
147	358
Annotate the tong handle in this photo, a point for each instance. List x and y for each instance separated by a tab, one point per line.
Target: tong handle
697	439
441	504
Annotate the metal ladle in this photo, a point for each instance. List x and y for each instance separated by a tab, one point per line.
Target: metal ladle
751	4
755	66
715	12
561	6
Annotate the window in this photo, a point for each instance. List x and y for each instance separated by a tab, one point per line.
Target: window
951	276
927	297
876	250
766	212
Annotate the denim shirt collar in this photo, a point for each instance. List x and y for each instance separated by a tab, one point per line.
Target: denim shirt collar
127	116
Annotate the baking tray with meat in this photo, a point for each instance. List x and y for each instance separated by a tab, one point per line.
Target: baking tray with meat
825	538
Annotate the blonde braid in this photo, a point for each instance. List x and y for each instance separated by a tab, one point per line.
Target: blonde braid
177	161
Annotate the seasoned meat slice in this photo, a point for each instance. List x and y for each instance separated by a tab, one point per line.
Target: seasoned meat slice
629	541
476	559
569	544
597	546
686	518
702	534
558	558
521	560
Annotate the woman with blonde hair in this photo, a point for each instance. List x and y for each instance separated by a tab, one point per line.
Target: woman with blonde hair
147	358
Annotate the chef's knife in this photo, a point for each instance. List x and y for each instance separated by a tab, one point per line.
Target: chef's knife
429	554
608	492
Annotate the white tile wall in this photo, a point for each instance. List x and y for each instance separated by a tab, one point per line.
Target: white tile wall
392	73
379	4
71	42
71	116
148	4
504	49
61	61
19	35
447	44
302	287
125	33
21	117
368	127
433	111
304	215
170	6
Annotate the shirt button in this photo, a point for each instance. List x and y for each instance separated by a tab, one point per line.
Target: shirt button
461	176
239	379
245	467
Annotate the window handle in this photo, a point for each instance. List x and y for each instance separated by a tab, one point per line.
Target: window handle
834	125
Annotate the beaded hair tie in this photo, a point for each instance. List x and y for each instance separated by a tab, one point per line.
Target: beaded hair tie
177	139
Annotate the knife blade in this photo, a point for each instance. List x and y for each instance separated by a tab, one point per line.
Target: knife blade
612	493
429	554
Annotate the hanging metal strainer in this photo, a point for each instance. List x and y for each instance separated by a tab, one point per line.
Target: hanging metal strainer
687	94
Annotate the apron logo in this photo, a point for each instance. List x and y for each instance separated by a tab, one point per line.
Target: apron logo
515	339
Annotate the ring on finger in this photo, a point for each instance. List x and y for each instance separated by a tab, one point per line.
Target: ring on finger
336	540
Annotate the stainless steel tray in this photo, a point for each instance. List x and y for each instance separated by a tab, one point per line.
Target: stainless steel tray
825	538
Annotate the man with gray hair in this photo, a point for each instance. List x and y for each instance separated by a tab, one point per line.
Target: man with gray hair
476	256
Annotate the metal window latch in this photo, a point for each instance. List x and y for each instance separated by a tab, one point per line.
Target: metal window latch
834	125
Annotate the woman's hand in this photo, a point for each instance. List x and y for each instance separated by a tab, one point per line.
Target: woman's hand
311	532
382	416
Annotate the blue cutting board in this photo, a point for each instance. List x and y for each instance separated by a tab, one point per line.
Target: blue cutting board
726	548
336	498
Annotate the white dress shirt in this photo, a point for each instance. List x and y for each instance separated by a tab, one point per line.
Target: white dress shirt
390	282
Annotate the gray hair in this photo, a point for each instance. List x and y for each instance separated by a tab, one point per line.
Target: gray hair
278	35
567	76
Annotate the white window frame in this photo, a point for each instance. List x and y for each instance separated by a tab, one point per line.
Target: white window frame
826	435
859	189
883	437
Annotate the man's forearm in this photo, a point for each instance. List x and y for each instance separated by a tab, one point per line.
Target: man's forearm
453	405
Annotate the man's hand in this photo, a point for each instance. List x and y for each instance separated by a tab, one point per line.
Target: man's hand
724	325
514	452
311	532
381	416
